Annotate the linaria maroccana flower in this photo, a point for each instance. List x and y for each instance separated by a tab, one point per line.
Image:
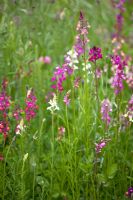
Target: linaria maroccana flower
53	104
119	75
100	145
31	105
95	54
106	108
81	39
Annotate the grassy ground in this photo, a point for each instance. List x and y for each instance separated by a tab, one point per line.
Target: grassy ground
36	164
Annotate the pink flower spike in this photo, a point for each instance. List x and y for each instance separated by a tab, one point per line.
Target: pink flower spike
106	108
67	98
31	106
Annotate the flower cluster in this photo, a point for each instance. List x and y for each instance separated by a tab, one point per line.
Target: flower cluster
119	76
60	75
117	36
106	108
129	193
100	145
95	54
71	59
53	104
31	106
81	39
4	107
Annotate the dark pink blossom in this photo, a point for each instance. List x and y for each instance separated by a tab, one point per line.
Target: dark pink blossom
60	75
31	106
95	54
4	108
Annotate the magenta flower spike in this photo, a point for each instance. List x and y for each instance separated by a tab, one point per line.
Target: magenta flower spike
31	106
95	54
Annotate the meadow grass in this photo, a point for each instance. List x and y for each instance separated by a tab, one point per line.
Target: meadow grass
55	155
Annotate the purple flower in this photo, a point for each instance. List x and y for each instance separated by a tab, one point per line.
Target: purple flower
81	39
31	106
95	54
106	108
119	76
60	75
129	193
100	145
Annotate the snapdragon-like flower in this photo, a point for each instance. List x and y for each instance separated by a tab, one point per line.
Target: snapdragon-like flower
67	98
4	98
100	145
81	39
129	193
106	108
95	54
31	106
53	104
119	76
60	75
71	59
4	108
